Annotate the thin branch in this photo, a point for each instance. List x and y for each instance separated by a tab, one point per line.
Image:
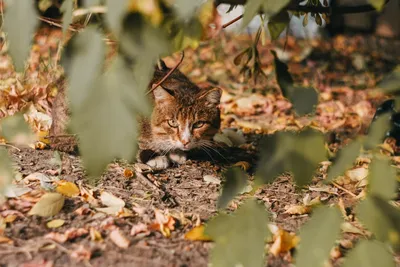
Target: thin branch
232	21
166	76
316	9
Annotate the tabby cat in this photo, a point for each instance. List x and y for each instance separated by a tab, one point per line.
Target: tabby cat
184	117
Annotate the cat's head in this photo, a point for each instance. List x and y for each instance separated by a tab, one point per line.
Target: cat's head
184	115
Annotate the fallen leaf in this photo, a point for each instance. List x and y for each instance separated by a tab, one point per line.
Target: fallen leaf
119	239
110	200
140	228
211	179
128	173
347	227
55	223
164	223
70	234
236	137
67	188
81	254
4	239
357	174
49	205
12	191
221	138
197	234
95	235
283	242
298	210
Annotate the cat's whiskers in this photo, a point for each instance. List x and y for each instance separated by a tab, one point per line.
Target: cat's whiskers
210	145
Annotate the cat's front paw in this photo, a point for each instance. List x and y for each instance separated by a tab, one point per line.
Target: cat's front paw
158	163
179	157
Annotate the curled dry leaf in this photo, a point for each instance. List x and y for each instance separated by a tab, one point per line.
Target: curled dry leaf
128	173
49	205
357	174
81	254
55	223
119	239
68	189
140	228
110	200
283	242
197	234
164	223
244	165
211	179
298	210
95	235
70	234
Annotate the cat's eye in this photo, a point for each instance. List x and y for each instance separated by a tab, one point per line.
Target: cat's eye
199	124
173	123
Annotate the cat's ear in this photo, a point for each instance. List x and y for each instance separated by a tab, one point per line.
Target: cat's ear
161	95
212	96
161	65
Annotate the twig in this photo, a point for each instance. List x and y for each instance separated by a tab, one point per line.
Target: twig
168	74
232	21
344	189
8	145
148	182
53	23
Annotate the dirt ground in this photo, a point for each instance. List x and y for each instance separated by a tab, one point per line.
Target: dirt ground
182	191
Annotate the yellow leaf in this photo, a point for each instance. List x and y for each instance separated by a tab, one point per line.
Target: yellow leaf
283	242
128	173
67	189
55	223
95	235
298	210
244	165
49	205
149	8
197	234
43	137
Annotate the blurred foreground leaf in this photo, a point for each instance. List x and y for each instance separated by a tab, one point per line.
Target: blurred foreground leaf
16	130
377	131
236	180
381	218
6	170
115	14
269	7
382	179
20	21
304	99
299	153
344	160
391	82
277	24
377	4
66	8
239	237
369	254
318	236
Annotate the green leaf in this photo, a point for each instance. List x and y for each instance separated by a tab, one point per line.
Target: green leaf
391	82
304	99
83	61
115	14
377	131
186	9
49	204
318	236
381	218
288	151
20	21
277	24
15	130
369	253
382	178
377	4
239	238
236	180
251	10
107	133
6	170
344	160
66	9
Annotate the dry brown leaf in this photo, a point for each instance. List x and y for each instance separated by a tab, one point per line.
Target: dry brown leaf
348	227
10	218
140	228
70	234
95	235
298	210
110	200
119	239
55	223
164	223
244	165
67	188
49	205
197	234
211	179
81	254
128	173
